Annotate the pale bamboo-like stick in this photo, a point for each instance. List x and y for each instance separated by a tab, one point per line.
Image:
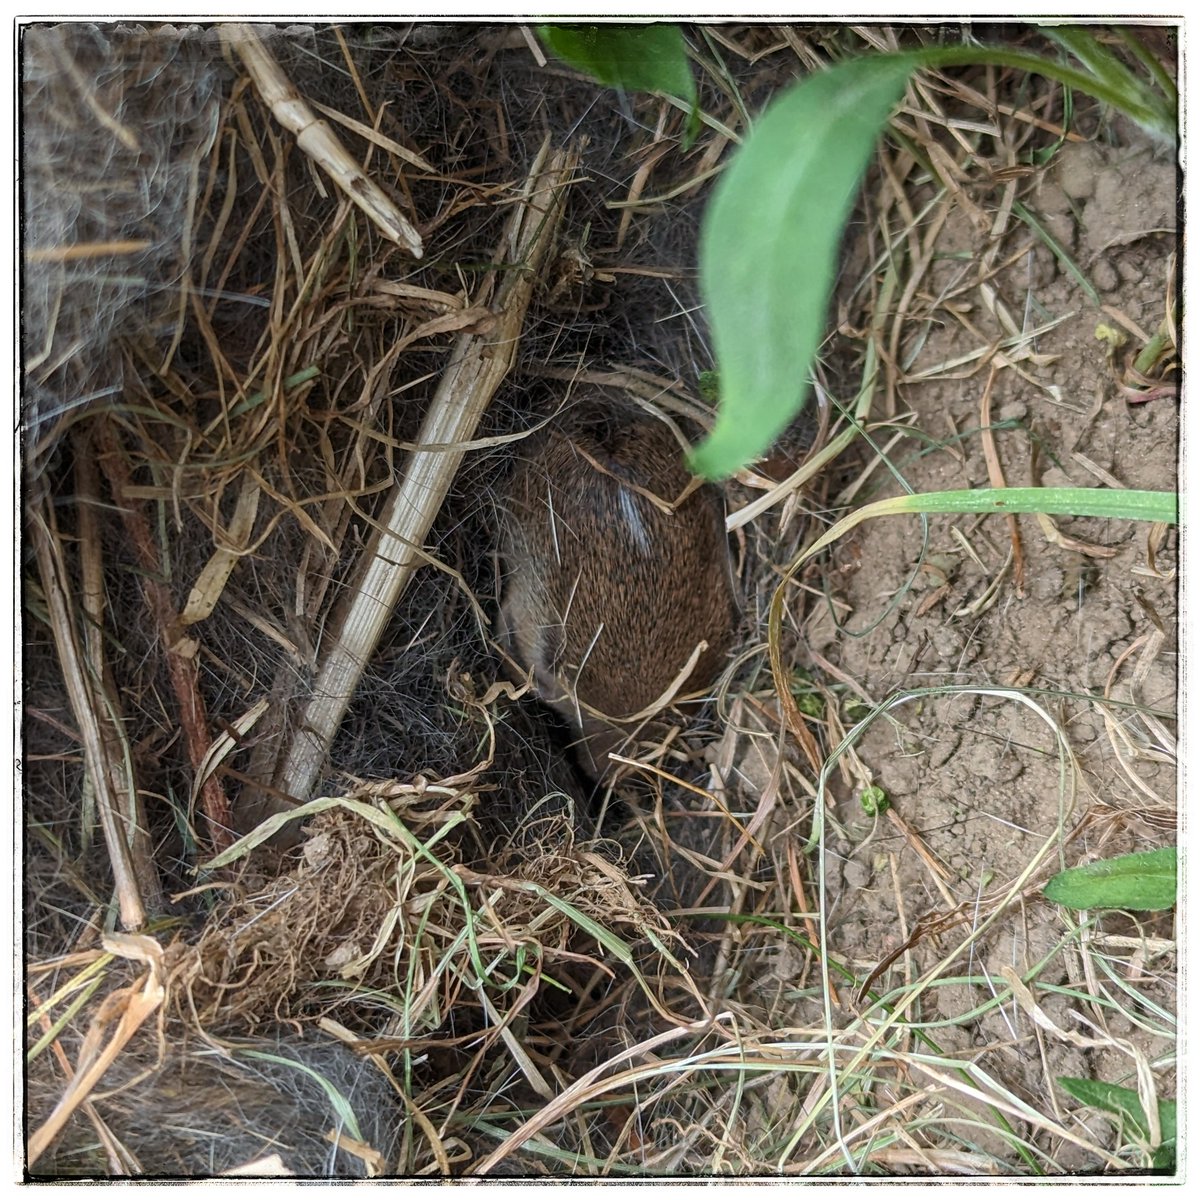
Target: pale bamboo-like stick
316	138
476	369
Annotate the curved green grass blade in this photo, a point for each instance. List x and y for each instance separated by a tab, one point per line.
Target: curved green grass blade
1156	111
1111	72
637	58
341	1106
1118	504
768	248
1144	882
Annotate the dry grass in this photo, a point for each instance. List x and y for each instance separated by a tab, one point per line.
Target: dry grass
460	948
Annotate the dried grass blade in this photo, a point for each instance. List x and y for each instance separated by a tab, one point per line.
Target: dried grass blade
996	478
379	139
180	650
580	1089
224	744
211	581
106	698
135	1005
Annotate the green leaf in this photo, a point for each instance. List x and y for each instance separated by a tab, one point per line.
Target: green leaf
637	58
1145	882
874	800
768	249
1125	1103
771	233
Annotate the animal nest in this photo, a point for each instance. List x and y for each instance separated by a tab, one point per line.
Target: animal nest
233	372
227	369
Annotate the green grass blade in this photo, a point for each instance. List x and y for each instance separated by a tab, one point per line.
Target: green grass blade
637	58
1113	74
1067	263
341	1106
1158	72
1155	112
1118	504
769	247
1096	57
1144	882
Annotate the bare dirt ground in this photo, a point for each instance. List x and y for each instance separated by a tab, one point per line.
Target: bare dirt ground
978	776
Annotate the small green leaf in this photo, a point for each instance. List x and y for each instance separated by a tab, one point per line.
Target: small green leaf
637	58
709	383
768	249
1145	882
1125	1103
874	800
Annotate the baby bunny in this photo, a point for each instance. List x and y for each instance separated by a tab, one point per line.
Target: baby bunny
617	571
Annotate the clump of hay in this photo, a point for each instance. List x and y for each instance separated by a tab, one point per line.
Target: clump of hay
378	911
382	897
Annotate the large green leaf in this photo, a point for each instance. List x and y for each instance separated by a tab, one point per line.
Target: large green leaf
1145	882
638	58
768	249
773	228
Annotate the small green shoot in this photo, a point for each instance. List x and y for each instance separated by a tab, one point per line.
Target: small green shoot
709	384
874	800
1144	882
808	700
1148	357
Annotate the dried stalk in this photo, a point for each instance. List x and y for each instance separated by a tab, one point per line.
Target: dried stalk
179	650
129	1008
106	703
477	367
317	139
56	588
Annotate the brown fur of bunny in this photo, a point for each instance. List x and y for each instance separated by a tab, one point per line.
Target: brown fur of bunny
606	605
